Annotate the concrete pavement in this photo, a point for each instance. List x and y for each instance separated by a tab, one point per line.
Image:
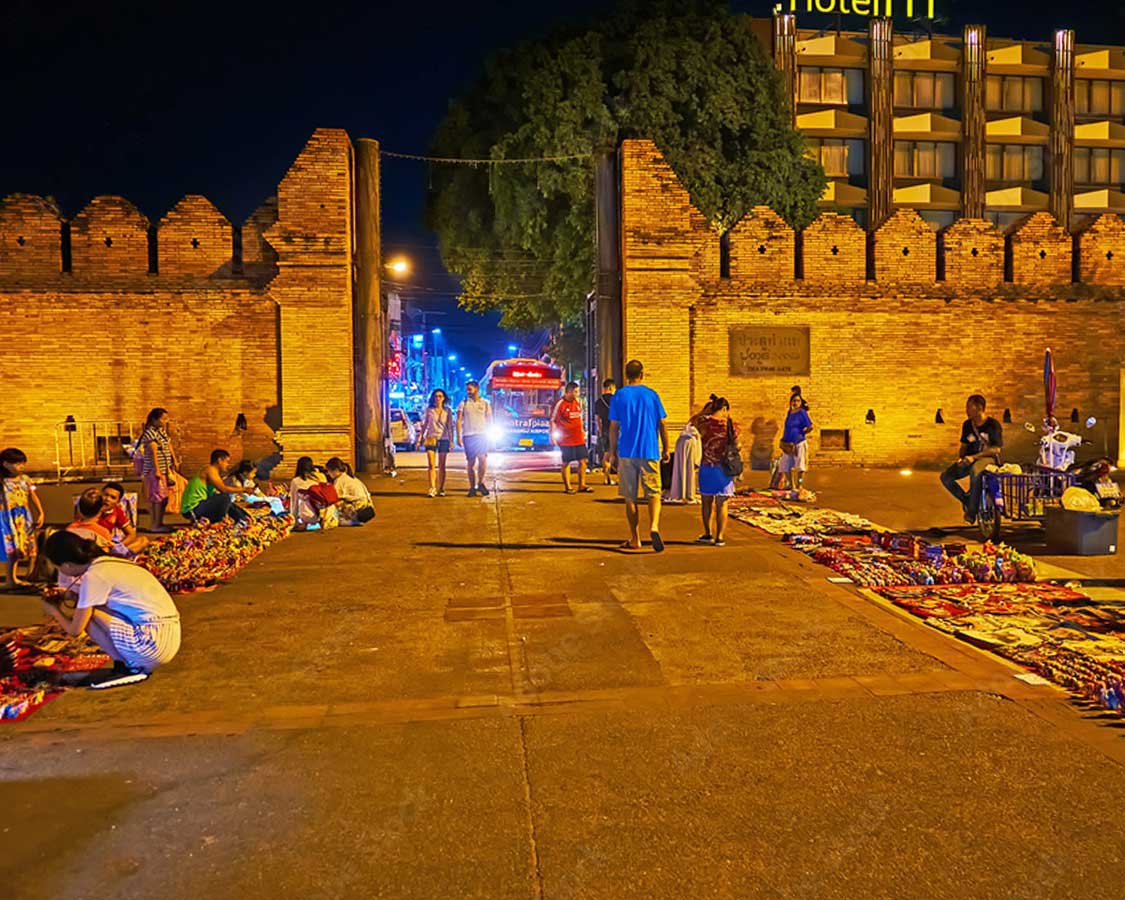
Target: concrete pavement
482	698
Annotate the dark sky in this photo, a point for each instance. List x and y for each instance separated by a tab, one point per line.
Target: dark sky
154	100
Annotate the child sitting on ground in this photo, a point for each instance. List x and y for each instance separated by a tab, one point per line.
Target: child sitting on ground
86	514
354	506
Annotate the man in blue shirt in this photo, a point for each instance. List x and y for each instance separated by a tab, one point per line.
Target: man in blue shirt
638	443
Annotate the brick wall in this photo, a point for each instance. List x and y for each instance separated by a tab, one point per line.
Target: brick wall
108	341
1040	251
1101	251
901	346
30	232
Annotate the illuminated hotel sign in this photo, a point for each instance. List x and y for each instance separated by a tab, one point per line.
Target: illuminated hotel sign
865	7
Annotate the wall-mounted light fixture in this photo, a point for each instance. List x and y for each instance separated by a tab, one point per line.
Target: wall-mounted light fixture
939	419
1007	416
870	417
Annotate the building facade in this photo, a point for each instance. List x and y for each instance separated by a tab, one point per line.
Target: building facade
969	126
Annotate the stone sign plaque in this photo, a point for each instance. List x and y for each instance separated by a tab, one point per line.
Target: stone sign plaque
769	351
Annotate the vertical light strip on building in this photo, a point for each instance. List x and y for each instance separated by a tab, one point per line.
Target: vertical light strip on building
973	128
785	54
880	189
1062	127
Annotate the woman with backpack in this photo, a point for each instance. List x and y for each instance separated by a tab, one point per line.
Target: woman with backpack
719	465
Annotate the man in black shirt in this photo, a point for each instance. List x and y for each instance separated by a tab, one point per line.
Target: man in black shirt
601	413
981	441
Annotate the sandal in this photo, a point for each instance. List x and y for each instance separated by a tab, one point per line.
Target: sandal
628	546
657	541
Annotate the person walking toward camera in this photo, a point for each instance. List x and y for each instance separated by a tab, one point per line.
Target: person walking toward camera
437	435
569	434
474	418
794	444
638	443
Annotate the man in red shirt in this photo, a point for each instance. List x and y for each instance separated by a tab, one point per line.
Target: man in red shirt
569	434
115	519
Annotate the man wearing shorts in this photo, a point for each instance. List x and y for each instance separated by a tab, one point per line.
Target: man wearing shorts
474	417
638	443
567	432
601	413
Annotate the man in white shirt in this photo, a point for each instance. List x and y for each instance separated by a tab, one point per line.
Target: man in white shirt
474	418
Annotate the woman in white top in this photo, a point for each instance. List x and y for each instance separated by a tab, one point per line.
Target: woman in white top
355	506
437	436
304	512
121	607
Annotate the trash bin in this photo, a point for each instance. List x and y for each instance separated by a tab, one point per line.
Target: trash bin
1074	533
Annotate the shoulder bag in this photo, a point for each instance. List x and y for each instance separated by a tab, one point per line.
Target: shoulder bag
732	457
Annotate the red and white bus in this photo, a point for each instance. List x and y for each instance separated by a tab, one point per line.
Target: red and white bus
522	392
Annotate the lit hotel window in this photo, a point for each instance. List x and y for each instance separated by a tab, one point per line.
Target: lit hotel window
1098	165
1094	97
1013	93
839	158
924	90
1013	162
925	159
842	86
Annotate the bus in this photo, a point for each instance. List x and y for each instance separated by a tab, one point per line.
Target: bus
522	392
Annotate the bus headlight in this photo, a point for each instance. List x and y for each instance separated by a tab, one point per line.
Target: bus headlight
495	434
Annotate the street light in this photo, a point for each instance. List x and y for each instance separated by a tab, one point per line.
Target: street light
400	265
453	357
512	348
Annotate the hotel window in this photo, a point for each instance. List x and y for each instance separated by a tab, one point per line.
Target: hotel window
1013	162
1098	165
840	158
1094	97
924	90
1013	93
842	86
925	159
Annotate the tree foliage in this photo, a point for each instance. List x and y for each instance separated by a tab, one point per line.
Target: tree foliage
687	75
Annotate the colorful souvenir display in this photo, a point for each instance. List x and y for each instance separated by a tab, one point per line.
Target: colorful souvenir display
204	555
772	516
32	662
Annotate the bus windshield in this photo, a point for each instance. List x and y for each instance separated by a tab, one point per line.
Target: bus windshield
522	392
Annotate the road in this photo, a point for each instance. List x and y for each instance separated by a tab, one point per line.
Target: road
483	698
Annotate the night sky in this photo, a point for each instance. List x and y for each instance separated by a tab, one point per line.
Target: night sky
153	101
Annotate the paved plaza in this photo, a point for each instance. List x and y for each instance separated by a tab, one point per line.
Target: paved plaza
484	698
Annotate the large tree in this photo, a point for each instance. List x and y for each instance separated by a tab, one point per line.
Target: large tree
687	75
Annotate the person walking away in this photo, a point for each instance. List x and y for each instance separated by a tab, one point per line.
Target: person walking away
121	607
208	496
982	442
354	506
601	416
437	435
794	444
18	523
474	419
160	464
638	443
717	431
569	435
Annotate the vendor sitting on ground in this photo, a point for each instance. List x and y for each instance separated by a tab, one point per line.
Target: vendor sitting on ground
121	607
87	512
208	497
355	506
116	520
982	440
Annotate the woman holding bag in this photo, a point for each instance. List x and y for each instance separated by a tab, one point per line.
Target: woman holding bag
794	446
720	464
437	437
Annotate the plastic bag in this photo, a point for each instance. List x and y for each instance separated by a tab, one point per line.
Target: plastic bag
1080	500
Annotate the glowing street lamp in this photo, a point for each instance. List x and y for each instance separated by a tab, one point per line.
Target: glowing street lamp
453	357
400	265
512	348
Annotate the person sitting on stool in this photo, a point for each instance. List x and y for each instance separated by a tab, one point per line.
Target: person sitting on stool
982	440
208	497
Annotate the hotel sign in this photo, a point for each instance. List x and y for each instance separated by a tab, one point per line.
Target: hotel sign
865	7
769	351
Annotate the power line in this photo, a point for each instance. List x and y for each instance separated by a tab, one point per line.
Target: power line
453	160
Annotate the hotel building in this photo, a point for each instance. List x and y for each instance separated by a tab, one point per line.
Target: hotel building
967	126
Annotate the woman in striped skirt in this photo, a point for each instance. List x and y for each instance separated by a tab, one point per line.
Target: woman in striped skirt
121	607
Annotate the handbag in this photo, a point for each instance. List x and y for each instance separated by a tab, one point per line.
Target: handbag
732	456
788	448
321	496
365	514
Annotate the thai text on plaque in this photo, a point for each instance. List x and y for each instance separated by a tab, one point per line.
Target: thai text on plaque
769	351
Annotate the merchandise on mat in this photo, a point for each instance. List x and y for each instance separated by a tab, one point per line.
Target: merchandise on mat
203	555
33	662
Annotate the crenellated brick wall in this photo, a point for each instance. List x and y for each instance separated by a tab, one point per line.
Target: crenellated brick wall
901	346
905	250
1101	251
201	336
1041	251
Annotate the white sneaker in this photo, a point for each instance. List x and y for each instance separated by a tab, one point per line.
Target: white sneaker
432	492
